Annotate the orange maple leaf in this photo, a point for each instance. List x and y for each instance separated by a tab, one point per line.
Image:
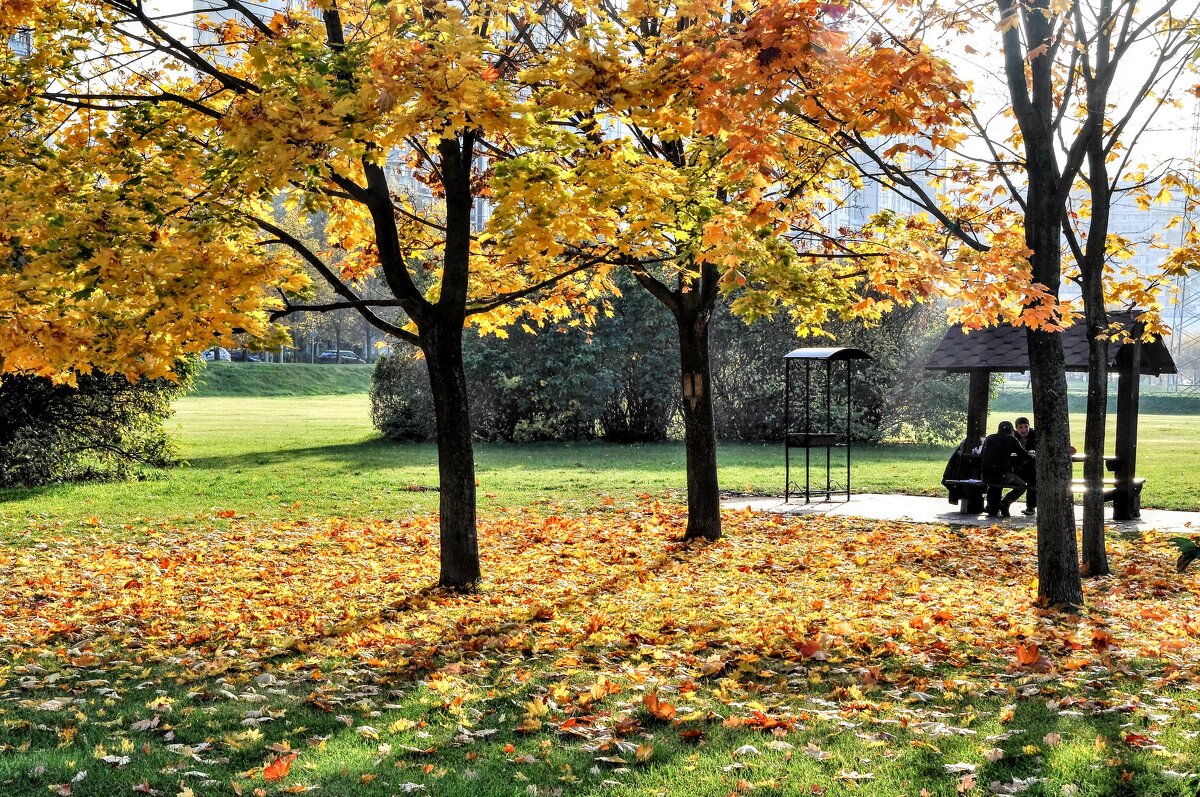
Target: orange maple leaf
658	709
812	649
278	768
1139	740
1028	654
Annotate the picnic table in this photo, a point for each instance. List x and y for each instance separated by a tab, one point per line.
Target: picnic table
966	487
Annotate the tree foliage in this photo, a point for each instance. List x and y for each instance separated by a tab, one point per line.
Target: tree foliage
112	256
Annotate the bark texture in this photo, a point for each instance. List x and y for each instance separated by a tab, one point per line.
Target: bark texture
1030	76
700	432
459	565
1093	550
691	303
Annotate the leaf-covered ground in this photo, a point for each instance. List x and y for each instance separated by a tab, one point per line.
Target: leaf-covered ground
796	656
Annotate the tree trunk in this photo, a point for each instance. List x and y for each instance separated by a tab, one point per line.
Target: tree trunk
700	431
1091	270
1030	75
1095	557
1059	580
442	345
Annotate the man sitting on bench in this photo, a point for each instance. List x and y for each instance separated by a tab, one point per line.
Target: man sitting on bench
1001	454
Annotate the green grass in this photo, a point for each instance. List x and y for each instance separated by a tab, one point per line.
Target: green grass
319	456
433	758
227	379
278	461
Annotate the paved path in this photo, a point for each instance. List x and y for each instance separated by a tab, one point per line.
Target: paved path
921	509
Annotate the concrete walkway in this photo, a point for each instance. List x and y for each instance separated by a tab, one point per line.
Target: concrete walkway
922	509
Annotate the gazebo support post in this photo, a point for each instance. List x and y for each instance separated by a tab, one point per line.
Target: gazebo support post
977	405
849	364
977	414
1127	502
787	430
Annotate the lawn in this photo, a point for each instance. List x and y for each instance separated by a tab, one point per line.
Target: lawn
261	623
794	657
296	457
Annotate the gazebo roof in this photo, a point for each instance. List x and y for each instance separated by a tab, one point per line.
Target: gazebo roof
843	353
1002	349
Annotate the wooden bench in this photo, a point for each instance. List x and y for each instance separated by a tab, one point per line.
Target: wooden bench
974	489
1110	489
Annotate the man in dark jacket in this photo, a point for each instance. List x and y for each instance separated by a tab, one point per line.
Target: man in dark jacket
1001	454
1027	437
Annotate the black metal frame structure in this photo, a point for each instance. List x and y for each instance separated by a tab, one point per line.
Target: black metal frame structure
805	436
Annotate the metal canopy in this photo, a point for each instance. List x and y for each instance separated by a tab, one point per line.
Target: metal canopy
843	353
813	432
1003	349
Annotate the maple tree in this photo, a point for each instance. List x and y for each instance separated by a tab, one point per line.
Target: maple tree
326	108
1072	133
723	185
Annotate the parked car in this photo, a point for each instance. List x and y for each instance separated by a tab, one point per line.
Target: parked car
246	356
216	353
346	357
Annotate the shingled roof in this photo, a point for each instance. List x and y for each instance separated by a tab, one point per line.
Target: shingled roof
1003	349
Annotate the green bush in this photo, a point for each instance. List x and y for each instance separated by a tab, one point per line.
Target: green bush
894	398
105	427
619	379
401	402
639	351
545	386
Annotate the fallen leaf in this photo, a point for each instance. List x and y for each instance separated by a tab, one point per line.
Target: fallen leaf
278	768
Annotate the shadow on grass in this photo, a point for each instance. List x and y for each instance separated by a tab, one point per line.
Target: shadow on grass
494	707
600	455
378	454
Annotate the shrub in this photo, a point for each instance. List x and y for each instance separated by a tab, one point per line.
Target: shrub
401	401
545	386
639	349
105	427
893	396
618	378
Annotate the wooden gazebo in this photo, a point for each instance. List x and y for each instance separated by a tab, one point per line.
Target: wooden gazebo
1003	349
